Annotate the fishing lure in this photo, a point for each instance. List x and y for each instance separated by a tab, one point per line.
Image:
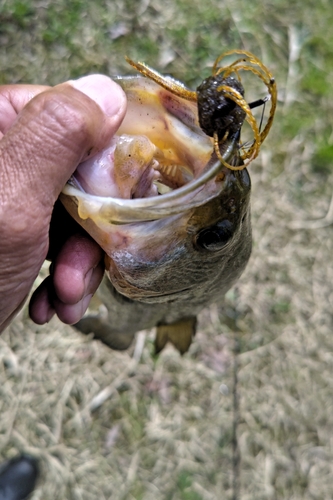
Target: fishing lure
221	104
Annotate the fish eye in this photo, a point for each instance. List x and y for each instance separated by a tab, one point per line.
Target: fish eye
215	237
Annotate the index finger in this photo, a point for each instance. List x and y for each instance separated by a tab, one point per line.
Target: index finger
13	99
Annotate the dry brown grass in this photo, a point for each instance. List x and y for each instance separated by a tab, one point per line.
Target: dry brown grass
247	413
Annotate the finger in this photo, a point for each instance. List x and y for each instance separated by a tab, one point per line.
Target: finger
72	313
44	303
73	268
77	272
13	98
41	307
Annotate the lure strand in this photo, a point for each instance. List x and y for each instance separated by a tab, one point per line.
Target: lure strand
247	63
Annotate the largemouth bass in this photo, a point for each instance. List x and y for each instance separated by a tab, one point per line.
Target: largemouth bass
169	203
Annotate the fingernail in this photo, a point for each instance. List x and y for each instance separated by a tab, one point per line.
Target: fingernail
105	92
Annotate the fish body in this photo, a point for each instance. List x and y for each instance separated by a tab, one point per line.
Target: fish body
167	255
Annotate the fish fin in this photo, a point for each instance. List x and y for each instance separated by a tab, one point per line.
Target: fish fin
180	334
103	332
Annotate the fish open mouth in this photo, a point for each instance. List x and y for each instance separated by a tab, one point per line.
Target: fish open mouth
158	165
159	147
131	167
163	160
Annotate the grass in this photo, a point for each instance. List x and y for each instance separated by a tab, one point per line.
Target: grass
173	427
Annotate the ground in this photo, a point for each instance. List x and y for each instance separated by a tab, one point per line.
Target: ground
247	413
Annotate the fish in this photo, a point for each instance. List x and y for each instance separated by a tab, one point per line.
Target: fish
169	202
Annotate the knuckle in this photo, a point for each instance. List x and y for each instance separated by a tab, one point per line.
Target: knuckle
65	117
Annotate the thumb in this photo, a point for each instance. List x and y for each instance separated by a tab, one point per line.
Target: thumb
51	135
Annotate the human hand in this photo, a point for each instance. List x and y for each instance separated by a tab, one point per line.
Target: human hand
44	134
